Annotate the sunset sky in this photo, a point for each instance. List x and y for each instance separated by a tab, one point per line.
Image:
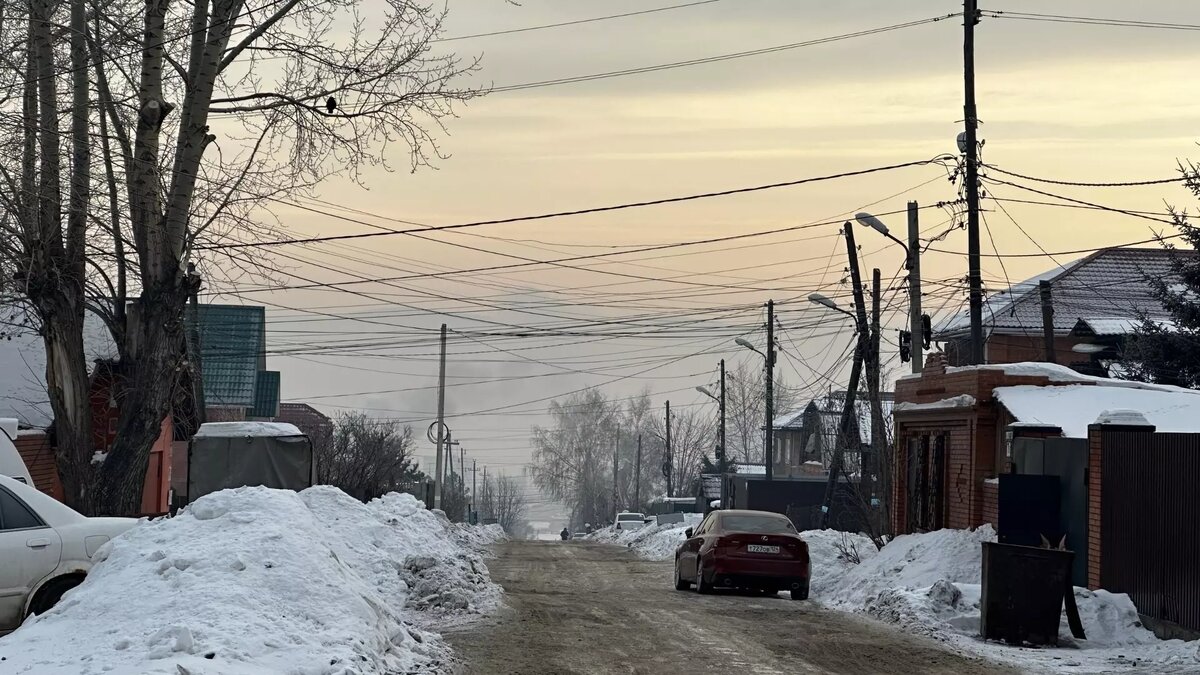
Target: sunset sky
1056	99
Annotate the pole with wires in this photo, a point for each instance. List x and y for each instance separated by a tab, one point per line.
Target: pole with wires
971	149
667	468
439	478
769	431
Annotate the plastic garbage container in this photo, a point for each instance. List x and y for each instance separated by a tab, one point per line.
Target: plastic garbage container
1022	595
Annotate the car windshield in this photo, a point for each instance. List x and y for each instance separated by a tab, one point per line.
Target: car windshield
630	516
757	524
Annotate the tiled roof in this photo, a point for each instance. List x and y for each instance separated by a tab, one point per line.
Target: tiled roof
266	394
232	342
1107	285
311	421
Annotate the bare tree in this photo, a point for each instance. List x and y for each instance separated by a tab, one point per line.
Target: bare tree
270	97
510	503
367	458
693	436
745	410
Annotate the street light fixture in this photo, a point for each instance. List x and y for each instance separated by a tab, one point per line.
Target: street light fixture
745	343
706	392
818	299
868	220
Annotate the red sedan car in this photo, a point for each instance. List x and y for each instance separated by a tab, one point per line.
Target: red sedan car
755	550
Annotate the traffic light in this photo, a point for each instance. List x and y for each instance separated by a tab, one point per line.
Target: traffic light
905	346
926	331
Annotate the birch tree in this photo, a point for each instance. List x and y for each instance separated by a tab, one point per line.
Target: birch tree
186	124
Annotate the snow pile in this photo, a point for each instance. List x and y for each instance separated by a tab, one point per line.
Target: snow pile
655	542
479	537
930	584
254	580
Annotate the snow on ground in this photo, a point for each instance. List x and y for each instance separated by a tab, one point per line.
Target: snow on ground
930	584
656	542
253	581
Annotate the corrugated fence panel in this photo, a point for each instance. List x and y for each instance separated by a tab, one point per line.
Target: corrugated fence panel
1149	522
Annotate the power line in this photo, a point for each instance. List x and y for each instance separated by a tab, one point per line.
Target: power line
716	59
1051	181
557	214
1088	20
576	22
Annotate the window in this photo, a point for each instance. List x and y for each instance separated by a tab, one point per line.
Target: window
14	515
757	524
705	526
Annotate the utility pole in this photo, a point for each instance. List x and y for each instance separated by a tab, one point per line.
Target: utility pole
441	424
667	466
869	472
194	349
462	469
861	351
616	455
769	435
915	329
971	117
474	467
721	461
1048	320
637	476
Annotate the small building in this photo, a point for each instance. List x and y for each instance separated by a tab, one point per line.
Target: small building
1038	449
1107	290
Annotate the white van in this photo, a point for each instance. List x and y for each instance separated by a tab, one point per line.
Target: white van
11	464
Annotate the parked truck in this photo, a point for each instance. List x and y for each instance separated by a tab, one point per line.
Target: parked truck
235	454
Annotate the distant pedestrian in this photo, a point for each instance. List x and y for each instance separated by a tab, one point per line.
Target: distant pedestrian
565	534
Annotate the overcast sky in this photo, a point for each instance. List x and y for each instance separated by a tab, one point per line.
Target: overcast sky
1055	99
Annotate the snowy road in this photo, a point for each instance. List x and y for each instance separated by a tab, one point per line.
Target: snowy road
582	607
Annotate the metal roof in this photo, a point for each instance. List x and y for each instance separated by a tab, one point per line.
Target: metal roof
232	346
266	394
1106	286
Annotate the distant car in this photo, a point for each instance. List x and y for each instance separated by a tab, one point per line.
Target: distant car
578	535
753	550
11	464
630	521
46	549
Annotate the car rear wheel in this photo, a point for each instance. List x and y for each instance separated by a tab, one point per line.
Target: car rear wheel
680	583
49	595
702	586
800	593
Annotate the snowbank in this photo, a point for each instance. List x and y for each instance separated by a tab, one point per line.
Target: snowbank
930	584
656	542
253	580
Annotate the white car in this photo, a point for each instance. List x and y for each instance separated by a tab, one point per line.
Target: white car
630	521
46	549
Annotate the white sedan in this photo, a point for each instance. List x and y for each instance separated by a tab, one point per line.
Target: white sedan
630	521
46	549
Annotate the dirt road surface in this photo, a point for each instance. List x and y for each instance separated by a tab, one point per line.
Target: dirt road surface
580	607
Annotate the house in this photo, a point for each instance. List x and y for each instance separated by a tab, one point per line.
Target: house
1038	449
314	423
806	438
1106	292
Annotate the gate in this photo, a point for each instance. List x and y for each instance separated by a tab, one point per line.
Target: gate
926	483
1149	511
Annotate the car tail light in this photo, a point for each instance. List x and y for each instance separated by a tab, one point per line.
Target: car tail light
728	542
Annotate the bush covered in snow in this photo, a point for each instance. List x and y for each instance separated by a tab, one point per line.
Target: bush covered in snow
255	580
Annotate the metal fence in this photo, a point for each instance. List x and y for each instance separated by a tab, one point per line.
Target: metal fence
1149	513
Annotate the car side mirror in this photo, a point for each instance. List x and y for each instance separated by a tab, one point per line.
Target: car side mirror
688	533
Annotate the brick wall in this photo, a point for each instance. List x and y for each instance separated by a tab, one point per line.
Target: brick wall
991	503
1094	488
957	485
34	448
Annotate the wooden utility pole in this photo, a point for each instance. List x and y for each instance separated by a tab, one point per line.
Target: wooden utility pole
845	437
970	139
616	455
769	431
667	465
915	329
1048	320
870	470
637	476
721	461
439	477
474	468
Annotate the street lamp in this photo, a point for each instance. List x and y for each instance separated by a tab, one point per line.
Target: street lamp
912	263
818	299
745	343
706	392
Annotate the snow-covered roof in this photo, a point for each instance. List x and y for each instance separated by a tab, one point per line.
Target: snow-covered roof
1109	284
1073	407
751	469
1059	374
239	429
23	365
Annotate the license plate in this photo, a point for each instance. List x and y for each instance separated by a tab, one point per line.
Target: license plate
759	548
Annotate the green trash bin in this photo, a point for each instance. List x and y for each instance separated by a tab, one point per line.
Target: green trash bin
1022	595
